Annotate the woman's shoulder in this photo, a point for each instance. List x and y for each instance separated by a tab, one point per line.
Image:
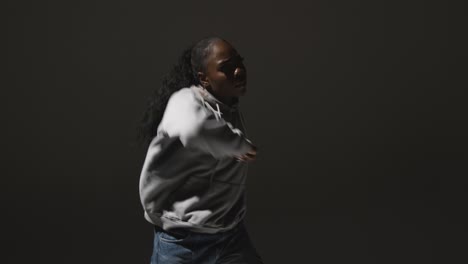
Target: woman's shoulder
184	101
185	95
184	112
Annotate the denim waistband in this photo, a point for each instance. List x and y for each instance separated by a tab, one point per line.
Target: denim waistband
182	232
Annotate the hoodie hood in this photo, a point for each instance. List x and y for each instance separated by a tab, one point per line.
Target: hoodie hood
213	103
219	108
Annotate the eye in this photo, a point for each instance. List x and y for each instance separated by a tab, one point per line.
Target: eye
232	64
227	67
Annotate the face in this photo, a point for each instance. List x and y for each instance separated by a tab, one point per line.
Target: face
225	74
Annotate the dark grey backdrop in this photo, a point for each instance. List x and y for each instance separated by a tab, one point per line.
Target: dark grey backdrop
357	108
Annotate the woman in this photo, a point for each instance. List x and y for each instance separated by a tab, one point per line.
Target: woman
192	184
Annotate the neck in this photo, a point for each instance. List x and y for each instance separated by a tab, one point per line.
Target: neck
227	100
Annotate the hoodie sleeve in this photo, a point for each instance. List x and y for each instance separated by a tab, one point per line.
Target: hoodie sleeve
197	127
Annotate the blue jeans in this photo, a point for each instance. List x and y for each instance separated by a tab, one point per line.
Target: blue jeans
183	247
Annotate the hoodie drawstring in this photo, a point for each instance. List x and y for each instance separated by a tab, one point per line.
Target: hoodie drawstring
218	113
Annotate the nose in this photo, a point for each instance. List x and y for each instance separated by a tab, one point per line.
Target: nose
240	74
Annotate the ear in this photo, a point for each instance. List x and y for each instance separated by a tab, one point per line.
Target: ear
203	79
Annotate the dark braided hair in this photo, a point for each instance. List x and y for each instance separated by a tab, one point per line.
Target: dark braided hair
183	74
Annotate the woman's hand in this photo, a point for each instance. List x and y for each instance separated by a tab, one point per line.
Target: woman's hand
249	156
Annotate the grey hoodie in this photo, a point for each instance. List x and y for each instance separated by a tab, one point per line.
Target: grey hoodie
190	178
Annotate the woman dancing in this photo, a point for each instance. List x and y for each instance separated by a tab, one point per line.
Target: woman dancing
193	180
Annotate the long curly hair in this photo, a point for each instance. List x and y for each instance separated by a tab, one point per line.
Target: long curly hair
183	74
